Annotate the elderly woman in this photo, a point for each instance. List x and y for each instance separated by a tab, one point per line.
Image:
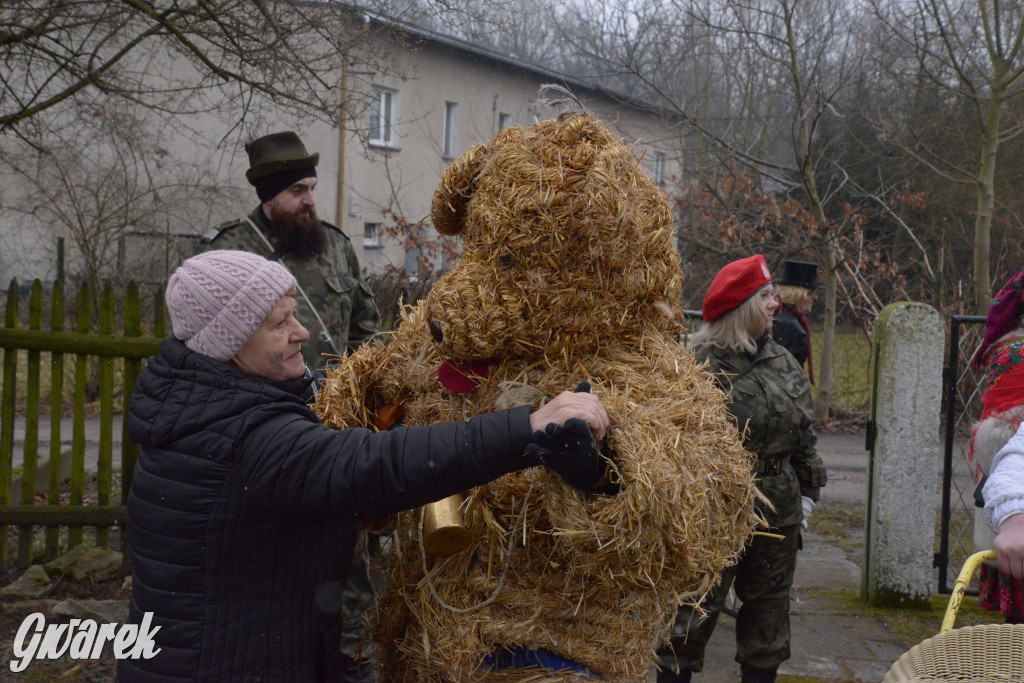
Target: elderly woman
769	398
243	507
1002	355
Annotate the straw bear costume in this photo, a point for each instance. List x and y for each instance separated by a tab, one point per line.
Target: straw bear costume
568	274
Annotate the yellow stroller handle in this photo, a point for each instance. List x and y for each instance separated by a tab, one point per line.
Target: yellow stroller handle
962	581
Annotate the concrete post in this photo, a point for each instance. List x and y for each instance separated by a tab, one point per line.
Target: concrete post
902	474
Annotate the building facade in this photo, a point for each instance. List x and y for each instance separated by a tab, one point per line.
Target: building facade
409	116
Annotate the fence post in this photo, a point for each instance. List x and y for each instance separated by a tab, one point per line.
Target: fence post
31	460
132	367
159	314
56	411
902	477
75	534
103	462
7	414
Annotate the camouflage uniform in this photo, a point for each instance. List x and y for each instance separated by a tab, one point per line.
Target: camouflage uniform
346	306
770	398
331	280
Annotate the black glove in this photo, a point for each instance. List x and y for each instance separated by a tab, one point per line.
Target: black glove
570	450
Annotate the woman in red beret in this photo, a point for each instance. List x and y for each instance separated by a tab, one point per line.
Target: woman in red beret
770	399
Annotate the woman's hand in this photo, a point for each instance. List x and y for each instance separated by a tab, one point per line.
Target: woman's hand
1009	546
580	404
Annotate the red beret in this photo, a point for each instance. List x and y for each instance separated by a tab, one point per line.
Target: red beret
734	284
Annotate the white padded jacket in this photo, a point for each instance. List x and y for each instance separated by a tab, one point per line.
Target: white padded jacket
1004	490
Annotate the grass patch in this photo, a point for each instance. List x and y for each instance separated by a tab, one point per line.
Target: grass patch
851	370
843	526
913	626
67	388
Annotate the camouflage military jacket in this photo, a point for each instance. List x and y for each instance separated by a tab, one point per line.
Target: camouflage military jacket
770	399
331	281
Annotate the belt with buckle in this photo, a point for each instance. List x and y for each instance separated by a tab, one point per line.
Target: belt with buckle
771	466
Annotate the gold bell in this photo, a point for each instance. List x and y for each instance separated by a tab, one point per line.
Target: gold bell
444	532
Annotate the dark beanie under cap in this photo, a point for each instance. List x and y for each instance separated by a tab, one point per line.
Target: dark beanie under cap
269	187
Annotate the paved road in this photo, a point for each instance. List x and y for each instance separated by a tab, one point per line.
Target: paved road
90	426
830	641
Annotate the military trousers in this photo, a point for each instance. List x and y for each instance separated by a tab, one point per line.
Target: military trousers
762	577
357	656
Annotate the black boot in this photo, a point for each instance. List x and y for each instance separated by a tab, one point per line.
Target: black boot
669	676
754	675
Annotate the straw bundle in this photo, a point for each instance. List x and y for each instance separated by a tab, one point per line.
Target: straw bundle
568	274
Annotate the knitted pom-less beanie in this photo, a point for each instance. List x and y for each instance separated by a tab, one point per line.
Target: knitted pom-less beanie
218	299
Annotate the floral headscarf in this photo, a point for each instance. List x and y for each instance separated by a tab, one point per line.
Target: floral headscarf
1004	316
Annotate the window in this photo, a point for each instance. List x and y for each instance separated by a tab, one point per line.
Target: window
412	264
504	121
382	117
371	236
451	119
659	167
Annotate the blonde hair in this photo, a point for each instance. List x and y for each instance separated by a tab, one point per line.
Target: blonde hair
733	331
799	297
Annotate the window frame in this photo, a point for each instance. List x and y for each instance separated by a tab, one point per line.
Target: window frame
375	241
383	108
659	168
450	133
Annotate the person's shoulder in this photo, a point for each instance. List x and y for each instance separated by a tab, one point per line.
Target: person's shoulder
715	356
335	231
786	316
773	350
220	230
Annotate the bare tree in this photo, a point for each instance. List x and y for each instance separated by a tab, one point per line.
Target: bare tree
94	94
284	51
753	80
972	50
104	182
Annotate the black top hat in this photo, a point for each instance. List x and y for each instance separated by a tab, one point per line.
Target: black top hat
800	274
276	153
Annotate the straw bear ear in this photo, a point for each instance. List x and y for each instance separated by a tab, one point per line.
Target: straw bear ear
452	195
448	211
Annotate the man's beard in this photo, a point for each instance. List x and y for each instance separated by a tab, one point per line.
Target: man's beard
300	234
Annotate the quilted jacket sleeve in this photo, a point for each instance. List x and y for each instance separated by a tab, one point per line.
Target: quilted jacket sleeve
299	468
1004	490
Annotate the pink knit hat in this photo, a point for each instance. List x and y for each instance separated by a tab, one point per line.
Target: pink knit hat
217	300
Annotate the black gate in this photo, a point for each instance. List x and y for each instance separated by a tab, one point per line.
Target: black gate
961	397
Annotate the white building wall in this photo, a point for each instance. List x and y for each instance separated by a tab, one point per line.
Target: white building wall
403	178
206	151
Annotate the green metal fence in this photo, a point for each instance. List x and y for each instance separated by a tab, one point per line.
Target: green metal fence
96	363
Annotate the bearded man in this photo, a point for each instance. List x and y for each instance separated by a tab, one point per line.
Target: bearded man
331	298
285	228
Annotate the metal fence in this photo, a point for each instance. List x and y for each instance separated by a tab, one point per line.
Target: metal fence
961	398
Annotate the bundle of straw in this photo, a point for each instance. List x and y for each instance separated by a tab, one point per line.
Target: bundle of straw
568	274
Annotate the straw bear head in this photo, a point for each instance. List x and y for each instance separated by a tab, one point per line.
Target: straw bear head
566	246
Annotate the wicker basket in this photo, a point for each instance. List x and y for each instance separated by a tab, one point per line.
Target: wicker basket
989	653
979	654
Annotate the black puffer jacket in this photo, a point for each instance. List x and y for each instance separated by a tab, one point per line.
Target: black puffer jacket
242	508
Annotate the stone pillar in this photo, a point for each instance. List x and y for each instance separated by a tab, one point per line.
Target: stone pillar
902	472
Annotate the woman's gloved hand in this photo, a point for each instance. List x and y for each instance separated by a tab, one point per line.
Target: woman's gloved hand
571	450
808	506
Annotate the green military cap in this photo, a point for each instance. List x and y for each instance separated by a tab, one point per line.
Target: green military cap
277	153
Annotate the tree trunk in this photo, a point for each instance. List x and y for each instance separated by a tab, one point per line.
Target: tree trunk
823	375
823	399
986	202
